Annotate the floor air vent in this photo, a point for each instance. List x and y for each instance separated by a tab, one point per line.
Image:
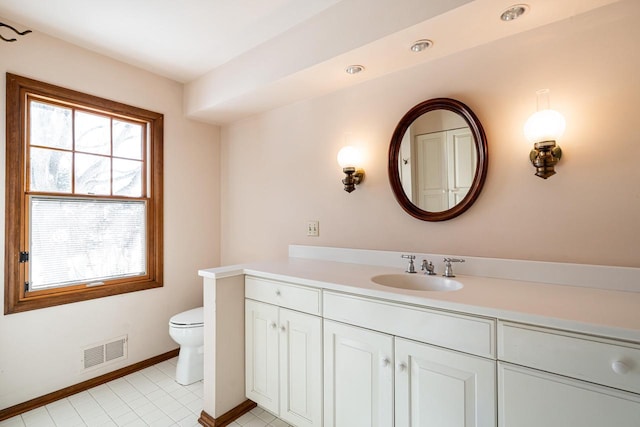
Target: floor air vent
106	352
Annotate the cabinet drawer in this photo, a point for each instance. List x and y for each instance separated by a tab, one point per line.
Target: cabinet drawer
470	334
300	298
602	361
533	398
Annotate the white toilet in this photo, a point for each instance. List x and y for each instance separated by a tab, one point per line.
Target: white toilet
187	329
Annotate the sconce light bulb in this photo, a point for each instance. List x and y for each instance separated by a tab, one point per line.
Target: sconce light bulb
349	157
545	125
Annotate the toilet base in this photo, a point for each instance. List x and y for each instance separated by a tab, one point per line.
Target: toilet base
190	367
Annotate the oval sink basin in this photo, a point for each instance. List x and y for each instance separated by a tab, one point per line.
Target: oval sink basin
417	282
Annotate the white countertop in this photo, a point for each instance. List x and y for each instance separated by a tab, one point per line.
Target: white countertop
600	312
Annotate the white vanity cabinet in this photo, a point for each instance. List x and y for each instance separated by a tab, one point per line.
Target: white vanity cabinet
556	378
375	376
283	350
319	357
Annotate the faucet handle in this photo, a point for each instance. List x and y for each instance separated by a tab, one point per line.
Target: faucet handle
411	268
448	271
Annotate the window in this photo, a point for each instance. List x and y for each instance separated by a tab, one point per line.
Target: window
83	197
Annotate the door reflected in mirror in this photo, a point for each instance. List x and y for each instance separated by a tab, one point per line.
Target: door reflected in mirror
438	159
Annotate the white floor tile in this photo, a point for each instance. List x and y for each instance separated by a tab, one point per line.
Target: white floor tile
266	416
123	389
179	414
38	422
153	416
137	403
148	398
38	417
12	422
62	411
170	406
146	409
190	421
244	419
188	398
126	418
118	411
195	406
256	423
164	421
98	421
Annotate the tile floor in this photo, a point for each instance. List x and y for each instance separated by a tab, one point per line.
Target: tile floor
149	397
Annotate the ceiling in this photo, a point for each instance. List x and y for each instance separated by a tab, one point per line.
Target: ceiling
240	57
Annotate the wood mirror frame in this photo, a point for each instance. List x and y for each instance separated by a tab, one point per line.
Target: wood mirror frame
481	149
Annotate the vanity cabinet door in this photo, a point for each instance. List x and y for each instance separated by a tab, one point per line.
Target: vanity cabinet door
261	354
284	362
358	377
532	398
444	388
300	368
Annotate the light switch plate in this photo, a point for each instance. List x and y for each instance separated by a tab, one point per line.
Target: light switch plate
313	228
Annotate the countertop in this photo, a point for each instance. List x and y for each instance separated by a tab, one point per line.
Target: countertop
601	312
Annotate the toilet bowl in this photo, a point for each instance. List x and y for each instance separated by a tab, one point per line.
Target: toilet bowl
187	329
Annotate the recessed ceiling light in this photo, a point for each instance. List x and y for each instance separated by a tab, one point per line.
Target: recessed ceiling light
421	45
354	69
514	12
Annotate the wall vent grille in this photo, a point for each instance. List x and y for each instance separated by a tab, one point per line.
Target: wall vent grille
106	352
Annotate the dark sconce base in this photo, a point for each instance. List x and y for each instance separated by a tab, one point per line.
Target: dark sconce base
544	156
353	177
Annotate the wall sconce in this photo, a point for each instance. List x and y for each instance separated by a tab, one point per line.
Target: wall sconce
542	129
349	158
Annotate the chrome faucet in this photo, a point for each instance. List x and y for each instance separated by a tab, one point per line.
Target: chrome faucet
428	267
448	270
411	268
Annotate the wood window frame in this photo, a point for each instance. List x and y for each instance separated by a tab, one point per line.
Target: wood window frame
16	238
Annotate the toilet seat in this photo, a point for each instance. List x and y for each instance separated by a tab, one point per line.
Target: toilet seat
188	319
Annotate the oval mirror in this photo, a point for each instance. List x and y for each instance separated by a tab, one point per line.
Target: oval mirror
438	159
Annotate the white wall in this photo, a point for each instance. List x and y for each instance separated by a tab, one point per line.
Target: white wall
279	168
40	350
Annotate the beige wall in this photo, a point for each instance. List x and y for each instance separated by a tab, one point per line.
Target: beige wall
40	350
279	168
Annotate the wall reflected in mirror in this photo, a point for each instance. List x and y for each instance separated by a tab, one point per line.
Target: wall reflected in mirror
437	160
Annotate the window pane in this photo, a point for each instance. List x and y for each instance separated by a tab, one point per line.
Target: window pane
79	241
127	140
50	170
50	125
127	178
93	174
93	133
